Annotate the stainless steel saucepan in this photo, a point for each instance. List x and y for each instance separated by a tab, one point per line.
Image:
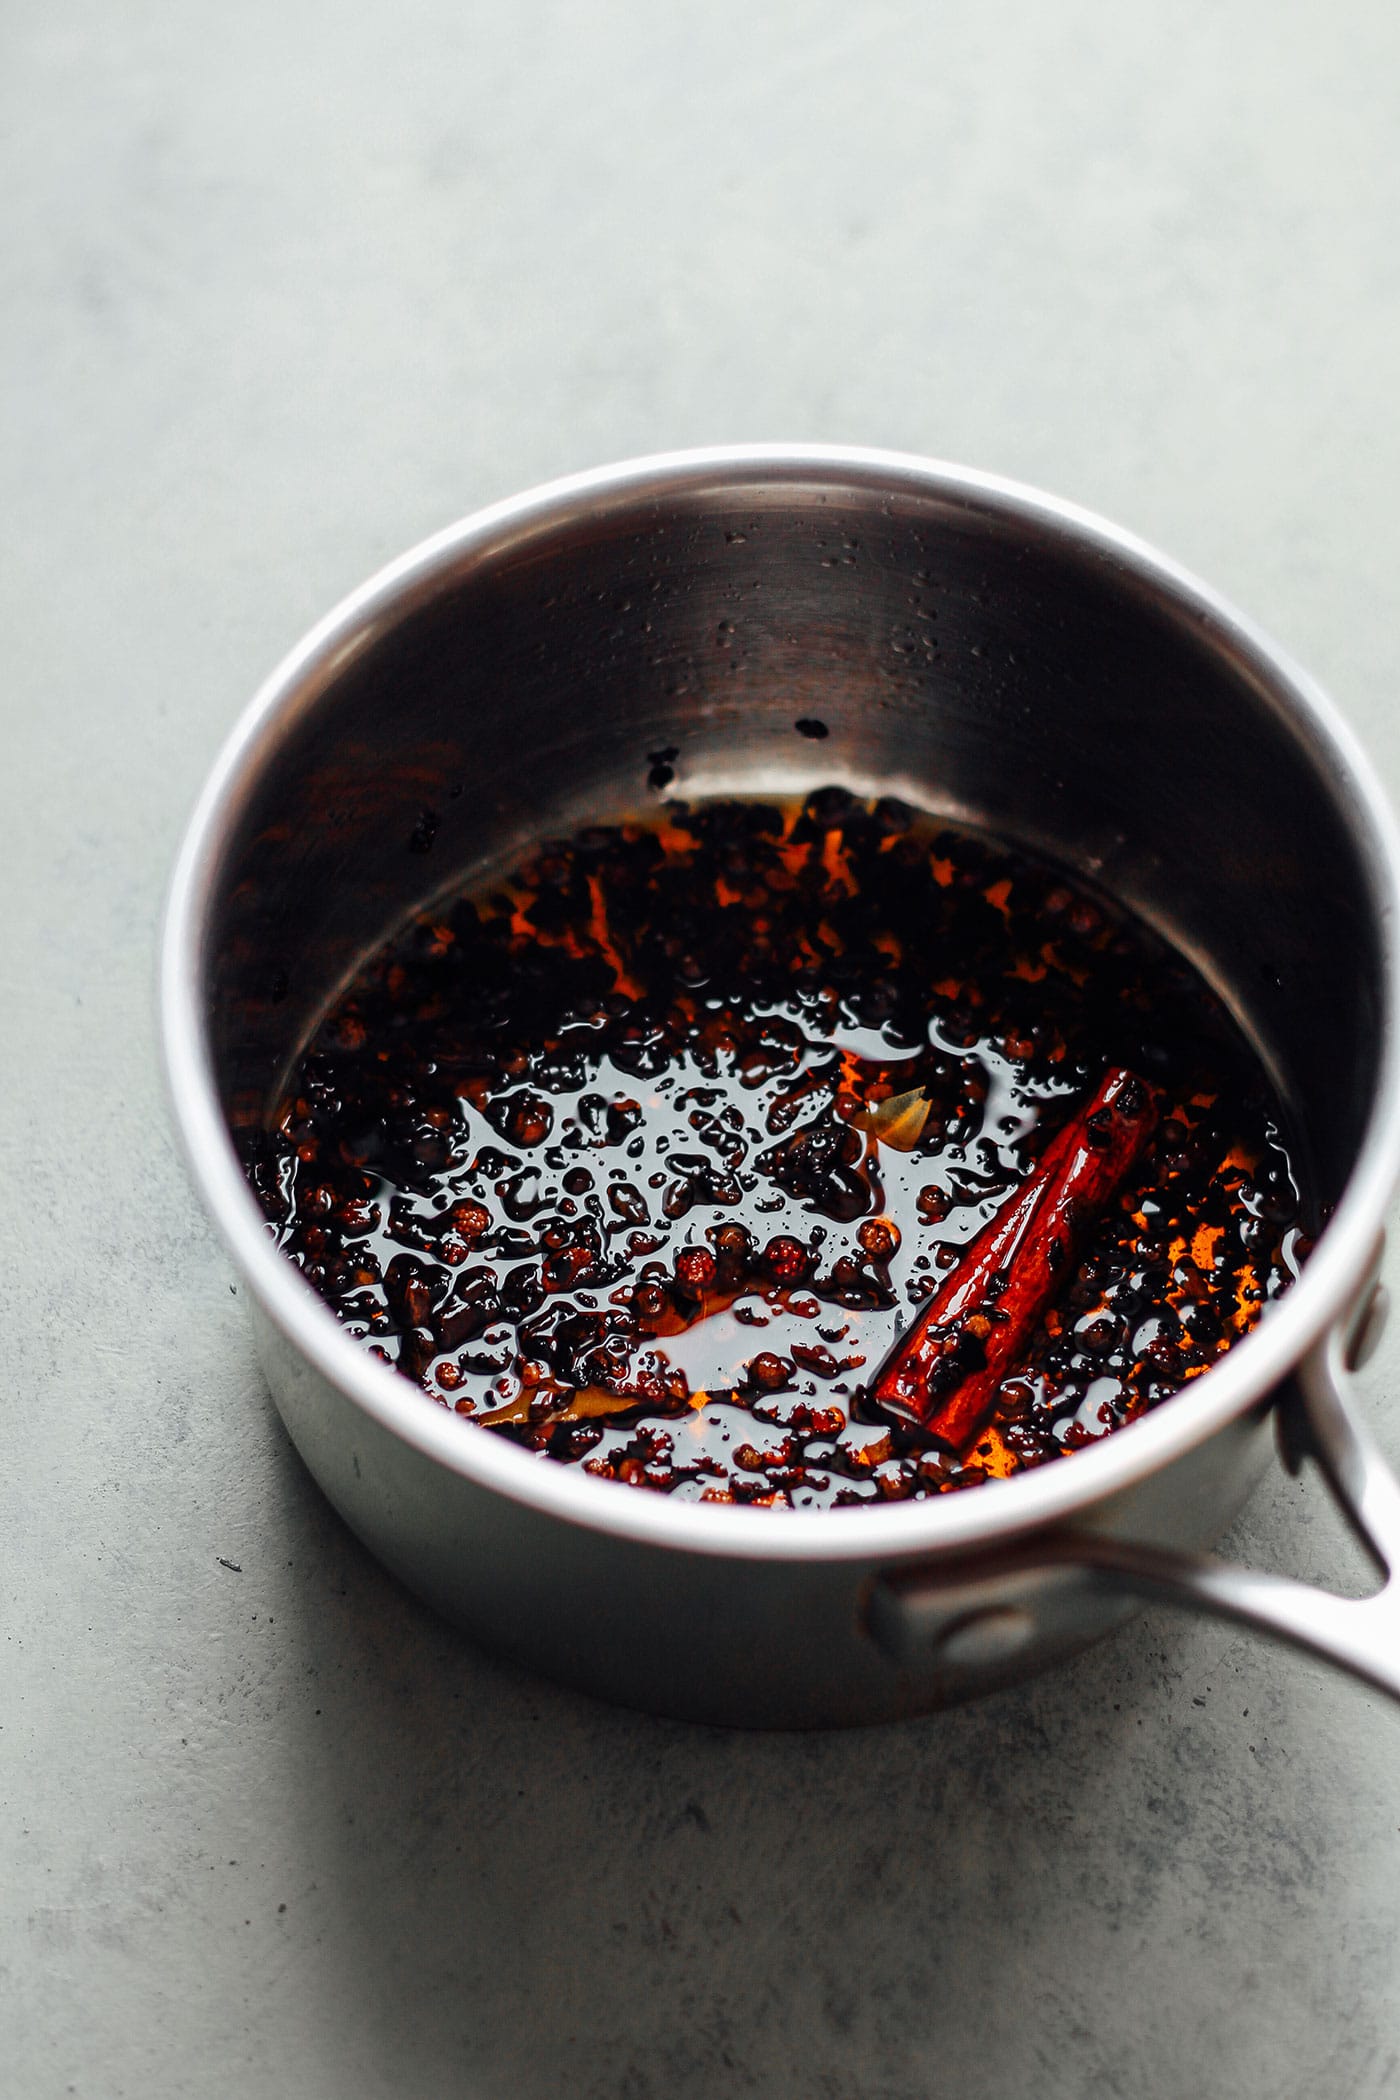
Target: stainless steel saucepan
976	649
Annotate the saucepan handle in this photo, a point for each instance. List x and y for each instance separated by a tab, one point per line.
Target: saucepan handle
1361	1635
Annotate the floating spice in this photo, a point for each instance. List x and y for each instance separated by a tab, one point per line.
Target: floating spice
798	1156
899	1121
943	1377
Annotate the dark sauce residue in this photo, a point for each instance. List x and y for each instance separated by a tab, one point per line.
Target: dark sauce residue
589	1154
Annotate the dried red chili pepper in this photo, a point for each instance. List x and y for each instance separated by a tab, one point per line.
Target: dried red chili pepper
942	1376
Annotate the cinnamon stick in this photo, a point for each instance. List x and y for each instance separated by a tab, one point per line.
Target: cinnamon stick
942	1376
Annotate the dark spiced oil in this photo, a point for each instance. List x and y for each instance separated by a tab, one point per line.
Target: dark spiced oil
645	1156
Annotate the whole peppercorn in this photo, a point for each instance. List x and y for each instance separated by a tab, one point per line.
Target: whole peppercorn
695	1269
786	1259
530	1120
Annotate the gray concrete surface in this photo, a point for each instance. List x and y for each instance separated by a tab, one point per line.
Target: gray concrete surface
284	288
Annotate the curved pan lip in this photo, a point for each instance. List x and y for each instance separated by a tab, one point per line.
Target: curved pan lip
997	1512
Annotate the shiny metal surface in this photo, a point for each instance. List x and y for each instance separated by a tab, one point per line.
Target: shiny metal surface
977	649
1361	1634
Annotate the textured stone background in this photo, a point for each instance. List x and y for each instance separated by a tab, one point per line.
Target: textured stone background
285	287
